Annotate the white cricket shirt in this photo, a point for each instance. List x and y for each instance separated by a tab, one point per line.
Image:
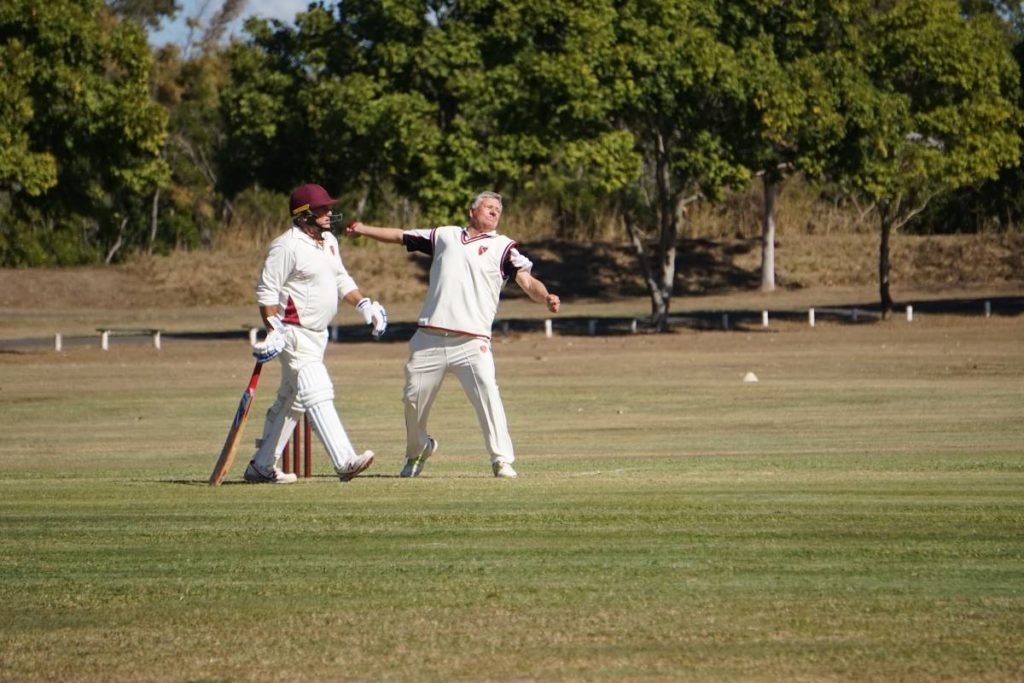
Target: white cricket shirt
466	277
304	278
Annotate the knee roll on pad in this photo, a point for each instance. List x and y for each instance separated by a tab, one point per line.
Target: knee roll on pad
314	385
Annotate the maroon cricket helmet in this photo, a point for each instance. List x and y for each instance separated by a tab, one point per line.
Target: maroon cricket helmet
309	198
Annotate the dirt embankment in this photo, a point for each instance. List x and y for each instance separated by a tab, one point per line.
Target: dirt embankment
593	270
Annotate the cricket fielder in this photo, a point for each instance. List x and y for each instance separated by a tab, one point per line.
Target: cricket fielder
302	280
469	267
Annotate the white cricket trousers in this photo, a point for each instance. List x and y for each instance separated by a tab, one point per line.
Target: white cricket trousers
432	356
305	387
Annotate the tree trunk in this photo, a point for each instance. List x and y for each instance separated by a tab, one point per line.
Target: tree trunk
116	246
154	220
884	263
635	237
666	282
668	207
771	191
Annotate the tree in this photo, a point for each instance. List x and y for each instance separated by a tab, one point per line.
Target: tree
312	102
23	166
532	111
793	52
987	205
187	81
932	108
432	99
685	100
147	13
85	127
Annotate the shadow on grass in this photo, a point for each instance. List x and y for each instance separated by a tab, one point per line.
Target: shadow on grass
322	478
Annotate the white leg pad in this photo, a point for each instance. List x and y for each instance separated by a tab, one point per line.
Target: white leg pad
332	434
316	395
277	429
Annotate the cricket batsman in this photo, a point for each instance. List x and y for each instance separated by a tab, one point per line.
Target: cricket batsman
302	280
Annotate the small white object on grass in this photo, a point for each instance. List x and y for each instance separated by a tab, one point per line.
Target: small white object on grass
750	378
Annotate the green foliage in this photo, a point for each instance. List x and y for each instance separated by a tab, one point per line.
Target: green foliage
567	101
635	107
688	94
297	110
793	55
990	205
34	237
262	214
191	210
934	107
84	135
148	12
477	95
21	166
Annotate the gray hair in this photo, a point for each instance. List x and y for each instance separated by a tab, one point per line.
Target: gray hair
482	196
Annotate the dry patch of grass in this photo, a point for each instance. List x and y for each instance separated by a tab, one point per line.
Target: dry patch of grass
575	270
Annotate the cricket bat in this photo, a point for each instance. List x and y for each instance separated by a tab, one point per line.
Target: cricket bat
227	454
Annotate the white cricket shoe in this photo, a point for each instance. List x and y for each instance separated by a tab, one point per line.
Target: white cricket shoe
413	466
360	463
255	475
503	470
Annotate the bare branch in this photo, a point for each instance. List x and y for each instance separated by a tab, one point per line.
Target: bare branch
229	11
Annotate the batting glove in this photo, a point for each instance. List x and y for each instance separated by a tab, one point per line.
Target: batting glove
274	343
373	314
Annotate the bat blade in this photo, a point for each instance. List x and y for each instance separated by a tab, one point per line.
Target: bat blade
227	453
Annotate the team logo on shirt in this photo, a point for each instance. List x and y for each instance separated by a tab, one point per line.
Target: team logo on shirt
481	251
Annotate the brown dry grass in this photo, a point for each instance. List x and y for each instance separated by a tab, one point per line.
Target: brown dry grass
599	270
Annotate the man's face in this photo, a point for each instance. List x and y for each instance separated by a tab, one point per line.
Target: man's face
486	215
323	217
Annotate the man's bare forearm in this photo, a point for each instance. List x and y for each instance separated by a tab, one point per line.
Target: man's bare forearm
388	235
537	292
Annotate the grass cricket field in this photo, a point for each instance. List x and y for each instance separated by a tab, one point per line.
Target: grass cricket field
855	515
